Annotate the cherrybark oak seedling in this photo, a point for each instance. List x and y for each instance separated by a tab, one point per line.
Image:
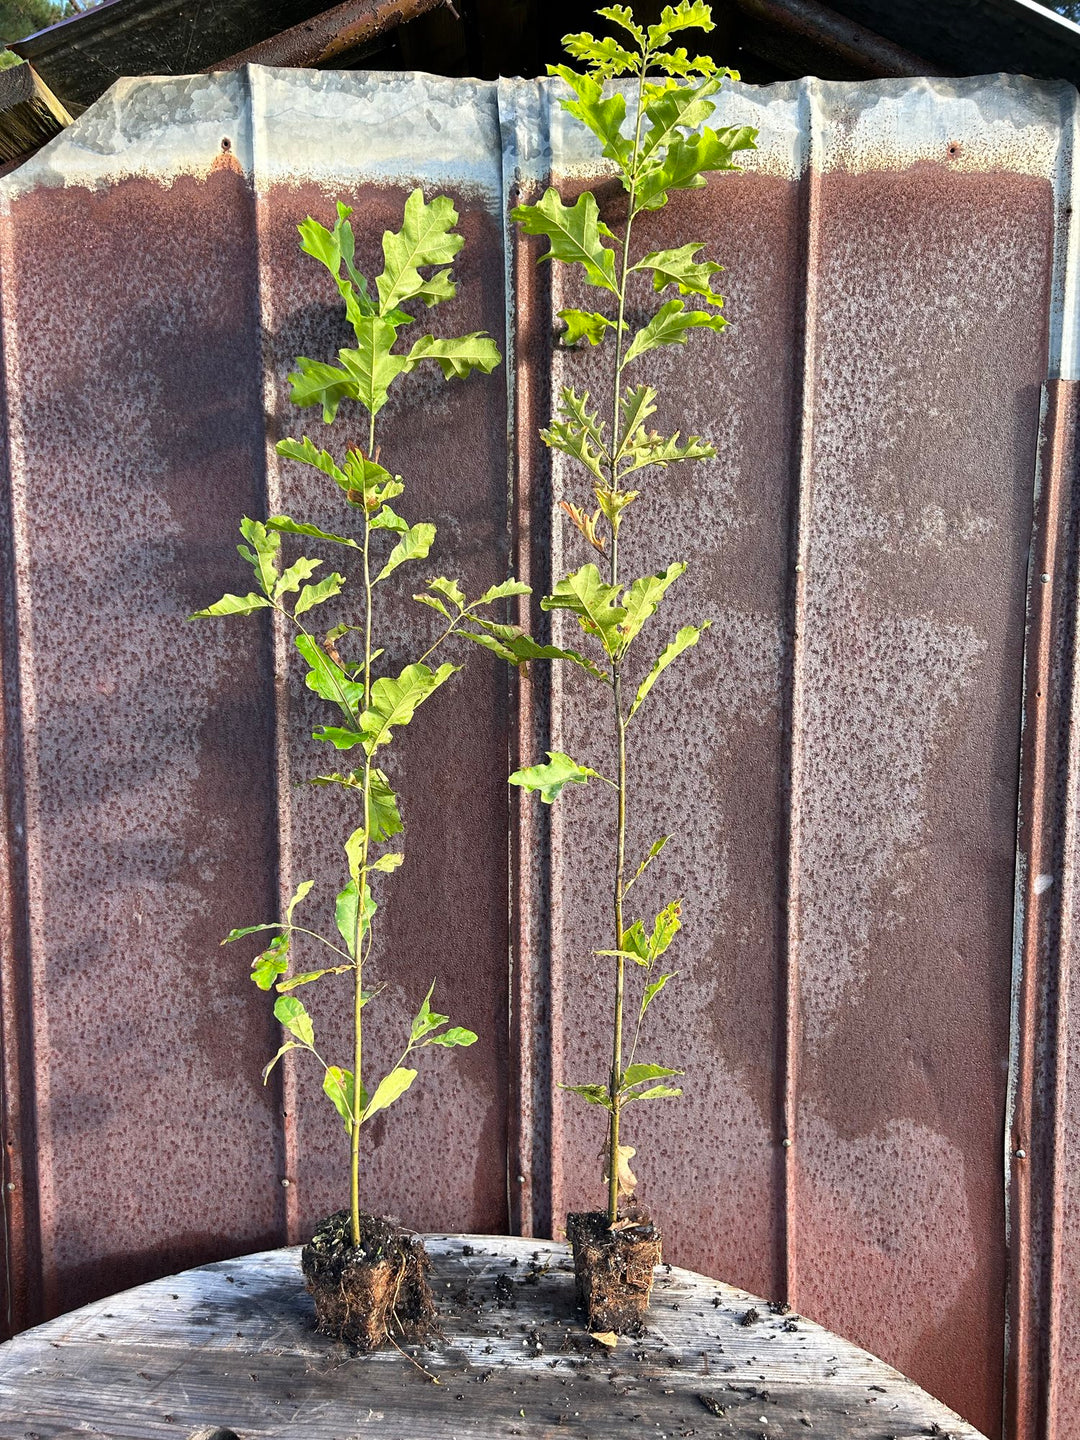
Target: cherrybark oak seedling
655	137
366	710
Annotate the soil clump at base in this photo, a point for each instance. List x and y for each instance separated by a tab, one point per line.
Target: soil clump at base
613	1269
369	1292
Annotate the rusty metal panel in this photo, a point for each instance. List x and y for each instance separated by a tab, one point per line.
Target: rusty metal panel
846	750
846	746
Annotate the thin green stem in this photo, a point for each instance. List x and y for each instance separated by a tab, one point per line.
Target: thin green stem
616	677
361	893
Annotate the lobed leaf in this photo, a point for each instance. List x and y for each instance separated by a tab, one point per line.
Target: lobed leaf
603	116
550	779
308	453
264	554
415	544
328	680
294	576
587	325
426	238
503	591
689	635
316	383
653	449
642	598
575	234
459	357
394	702
623	16
232	605
297	527
678	267
372	367
686	15
606	56
670	326
312	595
595	604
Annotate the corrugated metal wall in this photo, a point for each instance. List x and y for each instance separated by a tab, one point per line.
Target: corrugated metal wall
890	670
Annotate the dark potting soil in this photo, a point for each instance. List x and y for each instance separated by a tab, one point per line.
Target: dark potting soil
365	1293
613	1269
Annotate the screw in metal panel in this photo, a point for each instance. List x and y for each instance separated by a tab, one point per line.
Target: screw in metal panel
10	1185
1021	1154
798	569
1045	579
286	1183
521	1179
787	1142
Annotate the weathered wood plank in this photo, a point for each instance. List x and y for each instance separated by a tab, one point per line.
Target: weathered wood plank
231	1344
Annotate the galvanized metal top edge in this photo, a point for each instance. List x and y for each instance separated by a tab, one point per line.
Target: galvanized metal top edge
282	126
973	123
333	126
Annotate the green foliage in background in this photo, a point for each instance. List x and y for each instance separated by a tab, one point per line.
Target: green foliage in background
658	142
366	711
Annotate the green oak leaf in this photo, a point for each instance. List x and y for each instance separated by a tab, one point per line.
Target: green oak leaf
670	326
574	232
326	677
372	367
312	595
679	267
585	325
642	598
595	604
316	383
689	635
389	1089
415	543
550	779
603	116
232	605
394	702
308	453
457	357
288	526
426	238
263	556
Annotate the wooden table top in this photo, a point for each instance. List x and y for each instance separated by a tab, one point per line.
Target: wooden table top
232	1345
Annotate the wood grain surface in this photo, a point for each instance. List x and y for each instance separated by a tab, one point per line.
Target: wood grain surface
232	1345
